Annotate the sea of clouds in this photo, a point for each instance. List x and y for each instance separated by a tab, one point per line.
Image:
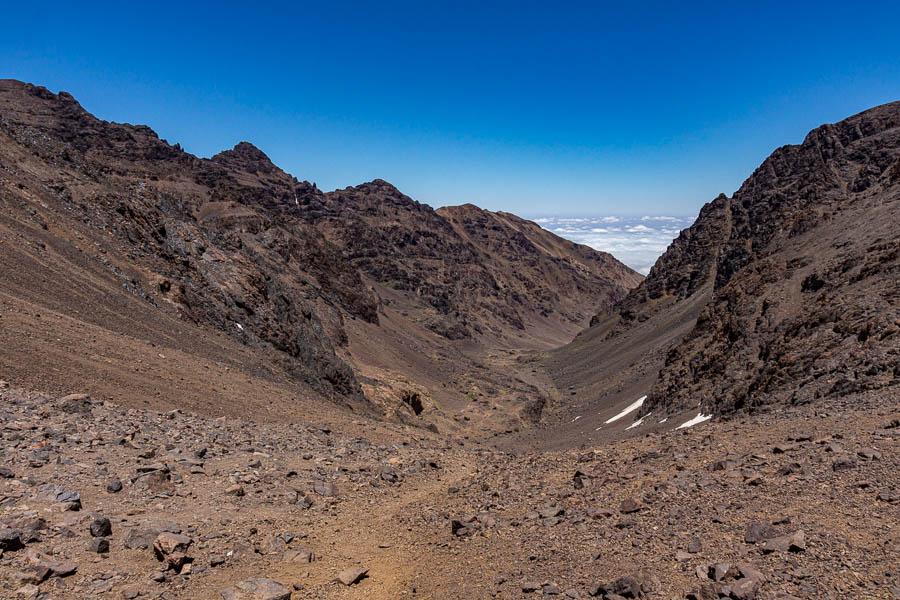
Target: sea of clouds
636	241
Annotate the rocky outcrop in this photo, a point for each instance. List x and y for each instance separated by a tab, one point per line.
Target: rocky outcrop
783	293
806	301
797	272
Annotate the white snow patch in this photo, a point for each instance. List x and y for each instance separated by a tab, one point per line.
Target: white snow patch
664	420
239	326
700	418
638	422
576	418
628	409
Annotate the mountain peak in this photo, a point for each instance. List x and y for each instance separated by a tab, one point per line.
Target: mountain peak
246	157
379	185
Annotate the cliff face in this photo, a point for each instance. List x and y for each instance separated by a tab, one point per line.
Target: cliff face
806	298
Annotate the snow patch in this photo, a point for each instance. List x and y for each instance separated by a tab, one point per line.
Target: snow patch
638	422
628	409
576	418
700	418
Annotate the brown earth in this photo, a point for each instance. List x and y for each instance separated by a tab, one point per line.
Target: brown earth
431	518
279	385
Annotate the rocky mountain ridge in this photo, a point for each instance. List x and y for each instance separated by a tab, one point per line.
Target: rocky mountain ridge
785	292
217	381
237	247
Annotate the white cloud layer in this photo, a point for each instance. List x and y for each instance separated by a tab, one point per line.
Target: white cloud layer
636	241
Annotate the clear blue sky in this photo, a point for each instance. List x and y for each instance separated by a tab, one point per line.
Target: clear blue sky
537	108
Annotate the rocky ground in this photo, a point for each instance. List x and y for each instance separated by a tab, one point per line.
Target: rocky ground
450	452
101	501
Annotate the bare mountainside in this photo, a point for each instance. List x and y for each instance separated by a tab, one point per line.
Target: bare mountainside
219	382
126	260
785	292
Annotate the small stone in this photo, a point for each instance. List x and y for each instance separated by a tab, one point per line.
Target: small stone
76	403
34	574
325	488
56	493
257	589
793	542
869	454
58	568
628	587
550	589
298	556
101	527
28	591
234	490
758	532
139	540
549	513
10	540
707	591
98	546
843	464
114	485
889	496
746	587
172	549
351	575
719	571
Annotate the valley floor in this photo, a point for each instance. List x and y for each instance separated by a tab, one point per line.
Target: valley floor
800	502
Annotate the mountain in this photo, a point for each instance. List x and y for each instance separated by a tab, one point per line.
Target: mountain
783	293
541	279
806	298
218	381
118	244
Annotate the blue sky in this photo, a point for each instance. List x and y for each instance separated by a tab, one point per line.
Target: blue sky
536	108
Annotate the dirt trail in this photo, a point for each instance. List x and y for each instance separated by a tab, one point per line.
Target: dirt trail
389	536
